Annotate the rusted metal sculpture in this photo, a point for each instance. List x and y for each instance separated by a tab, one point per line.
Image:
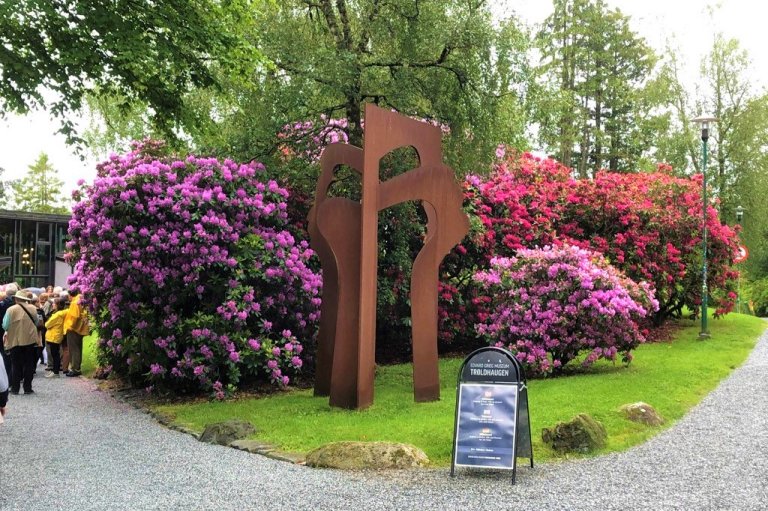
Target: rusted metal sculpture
344	234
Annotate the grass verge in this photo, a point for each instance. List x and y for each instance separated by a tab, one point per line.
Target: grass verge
89	362
671	376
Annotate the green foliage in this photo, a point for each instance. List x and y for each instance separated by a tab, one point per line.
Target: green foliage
673	377
443	60
90	363
755	293
737	171
749	157
4	189
40	190
151	52
596	69
725	70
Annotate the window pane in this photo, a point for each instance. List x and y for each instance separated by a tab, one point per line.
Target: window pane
26	261
43	231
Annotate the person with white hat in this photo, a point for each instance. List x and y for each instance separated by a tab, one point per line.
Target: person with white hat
22	339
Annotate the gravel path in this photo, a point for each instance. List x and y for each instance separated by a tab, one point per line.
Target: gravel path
70	446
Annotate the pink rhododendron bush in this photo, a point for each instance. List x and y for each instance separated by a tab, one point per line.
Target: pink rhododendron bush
550	305
193	279
648	225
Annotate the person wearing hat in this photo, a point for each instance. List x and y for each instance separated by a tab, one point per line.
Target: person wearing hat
22	340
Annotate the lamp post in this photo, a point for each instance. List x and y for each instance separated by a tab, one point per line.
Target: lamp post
703	121
739	218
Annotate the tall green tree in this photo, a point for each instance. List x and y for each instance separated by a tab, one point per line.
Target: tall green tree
749	155
40	190
737	172
443	60
727	97
596	69
53	52
446	61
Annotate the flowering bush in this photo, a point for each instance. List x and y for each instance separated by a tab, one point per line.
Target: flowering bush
549	305
189	269
646	225
649	226
306	140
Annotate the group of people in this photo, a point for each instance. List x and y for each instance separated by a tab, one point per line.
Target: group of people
48	327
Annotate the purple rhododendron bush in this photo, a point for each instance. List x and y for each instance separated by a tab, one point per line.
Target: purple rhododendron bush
550	305
190	271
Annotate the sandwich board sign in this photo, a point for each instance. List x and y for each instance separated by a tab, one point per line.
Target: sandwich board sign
492	427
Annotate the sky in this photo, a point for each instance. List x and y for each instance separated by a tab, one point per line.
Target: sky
685	24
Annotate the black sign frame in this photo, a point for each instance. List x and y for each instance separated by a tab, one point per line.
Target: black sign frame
498	369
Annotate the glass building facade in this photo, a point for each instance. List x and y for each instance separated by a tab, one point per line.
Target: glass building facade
32	247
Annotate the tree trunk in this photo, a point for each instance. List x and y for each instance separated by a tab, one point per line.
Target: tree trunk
354	117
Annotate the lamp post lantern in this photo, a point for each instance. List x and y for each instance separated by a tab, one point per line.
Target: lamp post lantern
703	121
739	218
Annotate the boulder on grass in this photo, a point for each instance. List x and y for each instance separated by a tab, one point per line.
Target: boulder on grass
224	433
370	455
642	413
583	434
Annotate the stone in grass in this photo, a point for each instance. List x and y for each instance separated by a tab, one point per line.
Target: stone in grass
366	455
642	413
253	446
583	434
224	433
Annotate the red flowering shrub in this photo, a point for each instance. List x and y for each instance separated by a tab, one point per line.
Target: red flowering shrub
649	226
646	225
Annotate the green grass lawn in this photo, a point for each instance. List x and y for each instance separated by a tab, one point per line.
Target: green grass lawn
672	377
89	363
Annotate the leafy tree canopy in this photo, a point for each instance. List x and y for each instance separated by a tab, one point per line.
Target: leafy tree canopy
153	52
599	110
446	61
441	60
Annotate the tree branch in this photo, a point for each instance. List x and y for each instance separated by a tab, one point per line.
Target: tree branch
377	98
295	70
365	35
434	63
341	6
330	19
437	64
